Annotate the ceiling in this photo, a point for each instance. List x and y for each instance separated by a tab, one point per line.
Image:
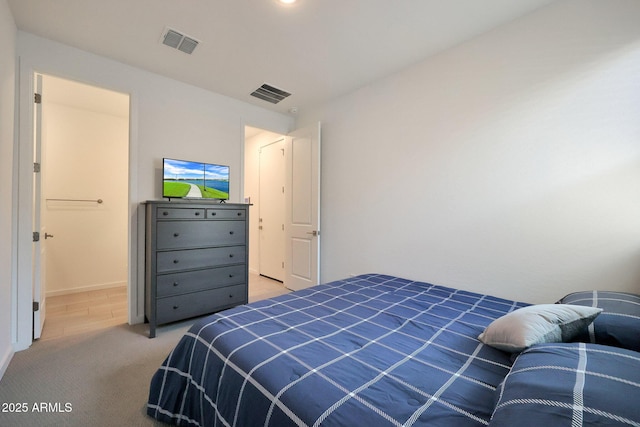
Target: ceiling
315	49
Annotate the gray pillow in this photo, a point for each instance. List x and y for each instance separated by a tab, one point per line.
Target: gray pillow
537	324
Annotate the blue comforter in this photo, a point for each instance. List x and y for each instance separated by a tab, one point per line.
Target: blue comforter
371	350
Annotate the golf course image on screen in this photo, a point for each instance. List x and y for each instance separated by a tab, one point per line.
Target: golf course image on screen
188	179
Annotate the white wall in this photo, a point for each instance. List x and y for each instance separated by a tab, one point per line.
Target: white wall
86	157
7	107
509	165
168	119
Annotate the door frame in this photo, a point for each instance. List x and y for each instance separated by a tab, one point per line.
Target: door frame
38	252
22	289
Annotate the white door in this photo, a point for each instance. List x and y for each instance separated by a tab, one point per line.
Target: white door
271	219
39	246
302	227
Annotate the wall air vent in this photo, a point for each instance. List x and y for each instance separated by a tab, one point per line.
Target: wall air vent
177	40
270	94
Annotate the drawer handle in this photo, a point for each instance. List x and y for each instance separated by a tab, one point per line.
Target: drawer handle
175	307
230	276
214	213
175	261
230	255
230	296
176	234
197	213
231	232
165	213
239	213
175	283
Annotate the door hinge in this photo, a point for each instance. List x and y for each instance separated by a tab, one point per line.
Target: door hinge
36	236
36	306
37	98
36	167
282	264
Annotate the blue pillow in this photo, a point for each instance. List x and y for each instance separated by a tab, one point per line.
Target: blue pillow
618	324
570	384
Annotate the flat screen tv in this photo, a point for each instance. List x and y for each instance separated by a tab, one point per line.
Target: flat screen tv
186	179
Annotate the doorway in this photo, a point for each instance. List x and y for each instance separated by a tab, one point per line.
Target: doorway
266	274
301	222
84	176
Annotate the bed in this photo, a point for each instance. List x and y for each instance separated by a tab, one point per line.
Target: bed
373	350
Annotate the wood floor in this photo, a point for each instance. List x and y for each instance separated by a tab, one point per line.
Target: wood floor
87	311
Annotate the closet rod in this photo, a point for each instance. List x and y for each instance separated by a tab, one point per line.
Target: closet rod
75	200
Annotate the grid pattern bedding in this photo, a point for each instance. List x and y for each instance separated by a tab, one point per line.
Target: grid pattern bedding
371	350
571	384
619	323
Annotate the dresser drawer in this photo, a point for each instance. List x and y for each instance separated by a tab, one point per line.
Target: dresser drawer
197	303
189	234
192	281
171	261
196	259
180	213
226	213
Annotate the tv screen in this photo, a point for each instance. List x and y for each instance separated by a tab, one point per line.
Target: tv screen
186	179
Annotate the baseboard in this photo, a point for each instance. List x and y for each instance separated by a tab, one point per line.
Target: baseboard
70	291
4	361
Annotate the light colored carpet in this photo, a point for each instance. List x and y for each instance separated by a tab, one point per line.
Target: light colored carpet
102	376
94	379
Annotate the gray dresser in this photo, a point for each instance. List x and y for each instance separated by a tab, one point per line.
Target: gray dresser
196	259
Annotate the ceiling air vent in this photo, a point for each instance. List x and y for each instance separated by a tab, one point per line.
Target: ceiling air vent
177	40
270	94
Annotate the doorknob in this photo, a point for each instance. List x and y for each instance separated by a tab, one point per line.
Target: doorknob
47	235
314	233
